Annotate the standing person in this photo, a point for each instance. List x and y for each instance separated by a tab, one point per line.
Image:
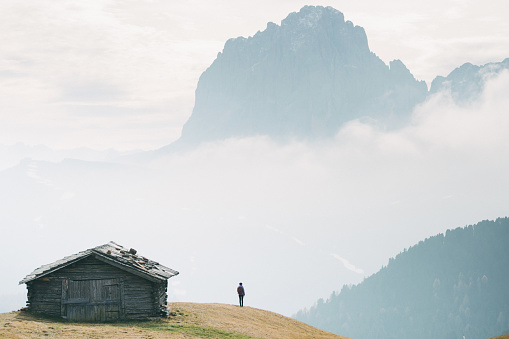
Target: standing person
240	291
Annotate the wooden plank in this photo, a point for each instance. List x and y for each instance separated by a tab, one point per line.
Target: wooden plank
127	268
58	267
137	297
122	300
76	301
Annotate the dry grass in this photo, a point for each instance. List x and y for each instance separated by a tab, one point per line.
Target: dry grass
247	320
188	320
505	336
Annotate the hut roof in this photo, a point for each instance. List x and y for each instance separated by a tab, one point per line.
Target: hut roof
114	254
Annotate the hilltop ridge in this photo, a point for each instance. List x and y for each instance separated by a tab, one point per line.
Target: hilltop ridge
187	320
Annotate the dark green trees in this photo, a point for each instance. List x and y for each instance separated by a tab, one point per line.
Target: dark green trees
444	287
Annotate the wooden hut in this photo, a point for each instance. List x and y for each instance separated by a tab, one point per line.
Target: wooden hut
105	283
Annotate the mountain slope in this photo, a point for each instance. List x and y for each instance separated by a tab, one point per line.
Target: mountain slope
303	78
445	287
187	320
466	82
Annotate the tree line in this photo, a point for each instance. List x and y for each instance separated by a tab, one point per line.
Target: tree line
445	287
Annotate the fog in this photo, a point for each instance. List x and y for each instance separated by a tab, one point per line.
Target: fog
122	74
293	221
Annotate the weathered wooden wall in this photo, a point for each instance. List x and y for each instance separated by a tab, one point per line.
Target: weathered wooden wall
161	298
141	298
45	296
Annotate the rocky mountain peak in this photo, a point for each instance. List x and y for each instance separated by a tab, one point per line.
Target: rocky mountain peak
310	16
303	78
466	83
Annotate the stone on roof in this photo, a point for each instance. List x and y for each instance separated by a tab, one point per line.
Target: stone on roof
113	253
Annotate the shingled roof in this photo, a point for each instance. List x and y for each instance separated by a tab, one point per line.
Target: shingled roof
113	254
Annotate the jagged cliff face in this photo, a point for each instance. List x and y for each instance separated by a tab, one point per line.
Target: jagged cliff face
466	82
301	79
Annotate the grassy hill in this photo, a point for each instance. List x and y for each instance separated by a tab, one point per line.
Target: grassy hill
187	320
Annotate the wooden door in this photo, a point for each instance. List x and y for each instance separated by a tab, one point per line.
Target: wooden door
92	300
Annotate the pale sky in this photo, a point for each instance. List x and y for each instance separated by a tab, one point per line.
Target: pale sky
122	74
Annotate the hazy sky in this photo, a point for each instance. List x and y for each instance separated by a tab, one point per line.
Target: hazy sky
295	221
122	74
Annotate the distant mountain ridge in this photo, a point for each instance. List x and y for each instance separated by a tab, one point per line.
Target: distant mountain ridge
466	82
303	78
307	77
447	286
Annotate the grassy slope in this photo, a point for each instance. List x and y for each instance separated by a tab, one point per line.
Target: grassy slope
188	320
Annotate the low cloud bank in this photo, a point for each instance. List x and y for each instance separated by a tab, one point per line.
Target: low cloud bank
270	214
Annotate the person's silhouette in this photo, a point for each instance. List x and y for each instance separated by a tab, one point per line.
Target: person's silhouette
241	293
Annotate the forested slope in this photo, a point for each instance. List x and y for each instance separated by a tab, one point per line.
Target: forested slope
447	286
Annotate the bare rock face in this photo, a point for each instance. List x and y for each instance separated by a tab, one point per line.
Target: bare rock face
466	83
302	79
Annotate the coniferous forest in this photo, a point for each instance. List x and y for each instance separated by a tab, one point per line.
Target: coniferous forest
446	287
